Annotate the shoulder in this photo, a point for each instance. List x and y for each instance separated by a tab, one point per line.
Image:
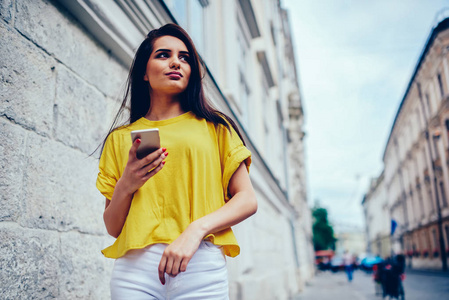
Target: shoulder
123	130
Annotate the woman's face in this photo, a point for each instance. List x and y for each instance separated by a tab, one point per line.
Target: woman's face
168	69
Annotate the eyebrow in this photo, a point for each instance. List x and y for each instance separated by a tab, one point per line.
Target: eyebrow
168	50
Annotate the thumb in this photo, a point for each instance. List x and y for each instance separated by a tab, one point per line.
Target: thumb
133	149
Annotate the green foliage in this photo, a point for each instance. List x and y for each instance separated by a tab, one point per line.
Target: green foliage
323	233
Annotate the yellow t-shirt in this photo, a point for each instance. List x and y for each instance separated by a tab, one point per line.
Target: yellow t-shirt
193	183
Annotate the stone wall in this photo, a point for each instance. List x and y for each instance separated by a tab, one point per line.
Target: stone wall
57	96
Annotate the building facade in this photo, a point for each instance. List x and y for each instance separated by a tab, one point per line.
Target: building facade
416	160
63	67
377	219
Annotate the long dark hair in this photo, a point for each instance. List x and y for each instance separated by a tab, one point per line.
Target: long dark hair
193	98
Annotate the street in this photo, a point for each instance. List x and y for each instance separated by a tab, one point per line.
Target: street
417	285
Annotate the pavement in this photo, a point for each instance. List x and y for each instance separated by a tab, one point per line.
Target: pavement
432	272
335	286
418	285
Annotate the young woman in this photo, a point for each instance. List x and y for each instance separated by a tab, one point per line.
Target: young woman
172	214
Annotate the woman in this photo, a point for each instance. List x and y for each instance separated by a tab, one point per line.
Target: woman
172	221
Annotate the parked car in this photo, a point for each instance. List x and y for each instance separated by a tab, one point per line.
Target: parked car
369	261
323	258
337	263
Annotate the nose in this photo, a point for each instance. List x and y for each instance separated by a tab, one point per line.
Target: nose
175	64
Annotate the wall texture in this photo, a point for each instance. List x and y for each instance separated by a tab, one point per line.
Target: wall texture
52	96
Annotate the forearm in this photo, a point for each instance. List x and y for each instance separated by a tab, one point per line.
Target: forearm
240	207
115	213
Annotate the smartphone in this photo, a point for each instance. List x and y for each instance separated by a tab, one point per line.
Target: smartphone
150	141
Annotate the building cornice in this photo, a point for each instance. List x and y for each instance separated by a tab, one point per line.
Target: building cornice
441	26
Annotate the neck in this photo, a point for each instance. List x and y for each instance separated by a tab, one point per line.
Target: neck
164	107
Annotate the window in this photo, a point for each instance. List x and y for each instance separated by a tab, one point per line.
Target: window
435	241
266	116
440	84
196	23
421	204
443	194
190	15
179	10
244	95
446	229
423	241
244	91
432	205
428	106
415	205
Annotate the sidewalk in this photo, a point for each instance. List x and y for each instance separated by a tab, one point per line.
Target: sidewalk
335	286
431	272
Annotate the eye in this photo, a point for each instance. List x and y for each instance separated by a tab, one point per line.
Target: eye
162	55
185	58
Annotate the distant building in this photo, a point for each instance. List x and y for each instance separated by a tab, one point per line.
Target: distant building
63	64
352	241
377	218
415	179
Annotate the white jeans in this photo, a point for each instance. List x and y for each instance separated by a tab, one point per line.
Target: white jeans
135	276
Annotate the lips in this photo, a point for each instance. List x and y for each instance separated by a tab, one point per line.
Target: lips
174	74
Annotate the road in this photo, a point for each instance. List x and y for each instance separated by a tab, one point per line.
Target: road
417	285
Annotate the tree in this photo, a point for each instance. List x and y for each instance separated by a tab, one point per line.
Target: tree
323	233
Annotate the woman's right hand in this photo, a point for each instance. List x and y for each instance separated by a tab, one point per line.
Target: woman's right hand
138	171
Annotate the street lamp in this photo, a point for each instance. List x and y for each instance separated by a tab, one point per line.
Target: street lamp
436	136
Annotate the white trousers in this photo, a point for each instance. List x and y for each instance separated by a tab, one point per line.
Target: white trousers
135	276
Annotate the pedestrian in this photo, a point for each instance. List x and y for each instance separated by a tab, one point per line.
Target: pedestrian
172	214
348	261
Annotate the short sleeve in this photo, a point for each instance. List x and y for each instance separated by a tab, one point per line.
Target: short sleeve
109	172
232	154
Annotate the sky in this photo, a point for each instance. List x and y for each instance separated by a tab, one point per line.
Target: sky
355	59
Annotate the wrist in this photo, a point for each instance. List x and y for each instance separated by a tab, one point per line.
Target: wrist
200	227
123	188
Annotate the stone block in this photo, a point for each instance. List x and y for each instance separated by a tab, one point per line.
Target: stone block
59	188
53	28
27	82
79	112
84	272
29	263
6	10
12	161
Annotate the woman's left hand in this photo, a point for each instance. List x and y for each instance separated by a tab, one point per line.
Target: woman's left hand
178	254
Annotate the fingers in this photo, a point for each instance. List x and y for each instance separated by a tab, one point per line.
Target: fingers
184	264
153	172
133	149
153	158
171	264
175	268
161	269
155	162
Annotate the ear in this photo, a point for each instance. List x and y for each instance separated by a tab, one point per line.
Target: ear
145	77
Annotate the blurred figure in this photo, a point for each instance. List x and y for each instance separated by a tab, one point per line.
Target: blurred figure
391	274
348	262
377	279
